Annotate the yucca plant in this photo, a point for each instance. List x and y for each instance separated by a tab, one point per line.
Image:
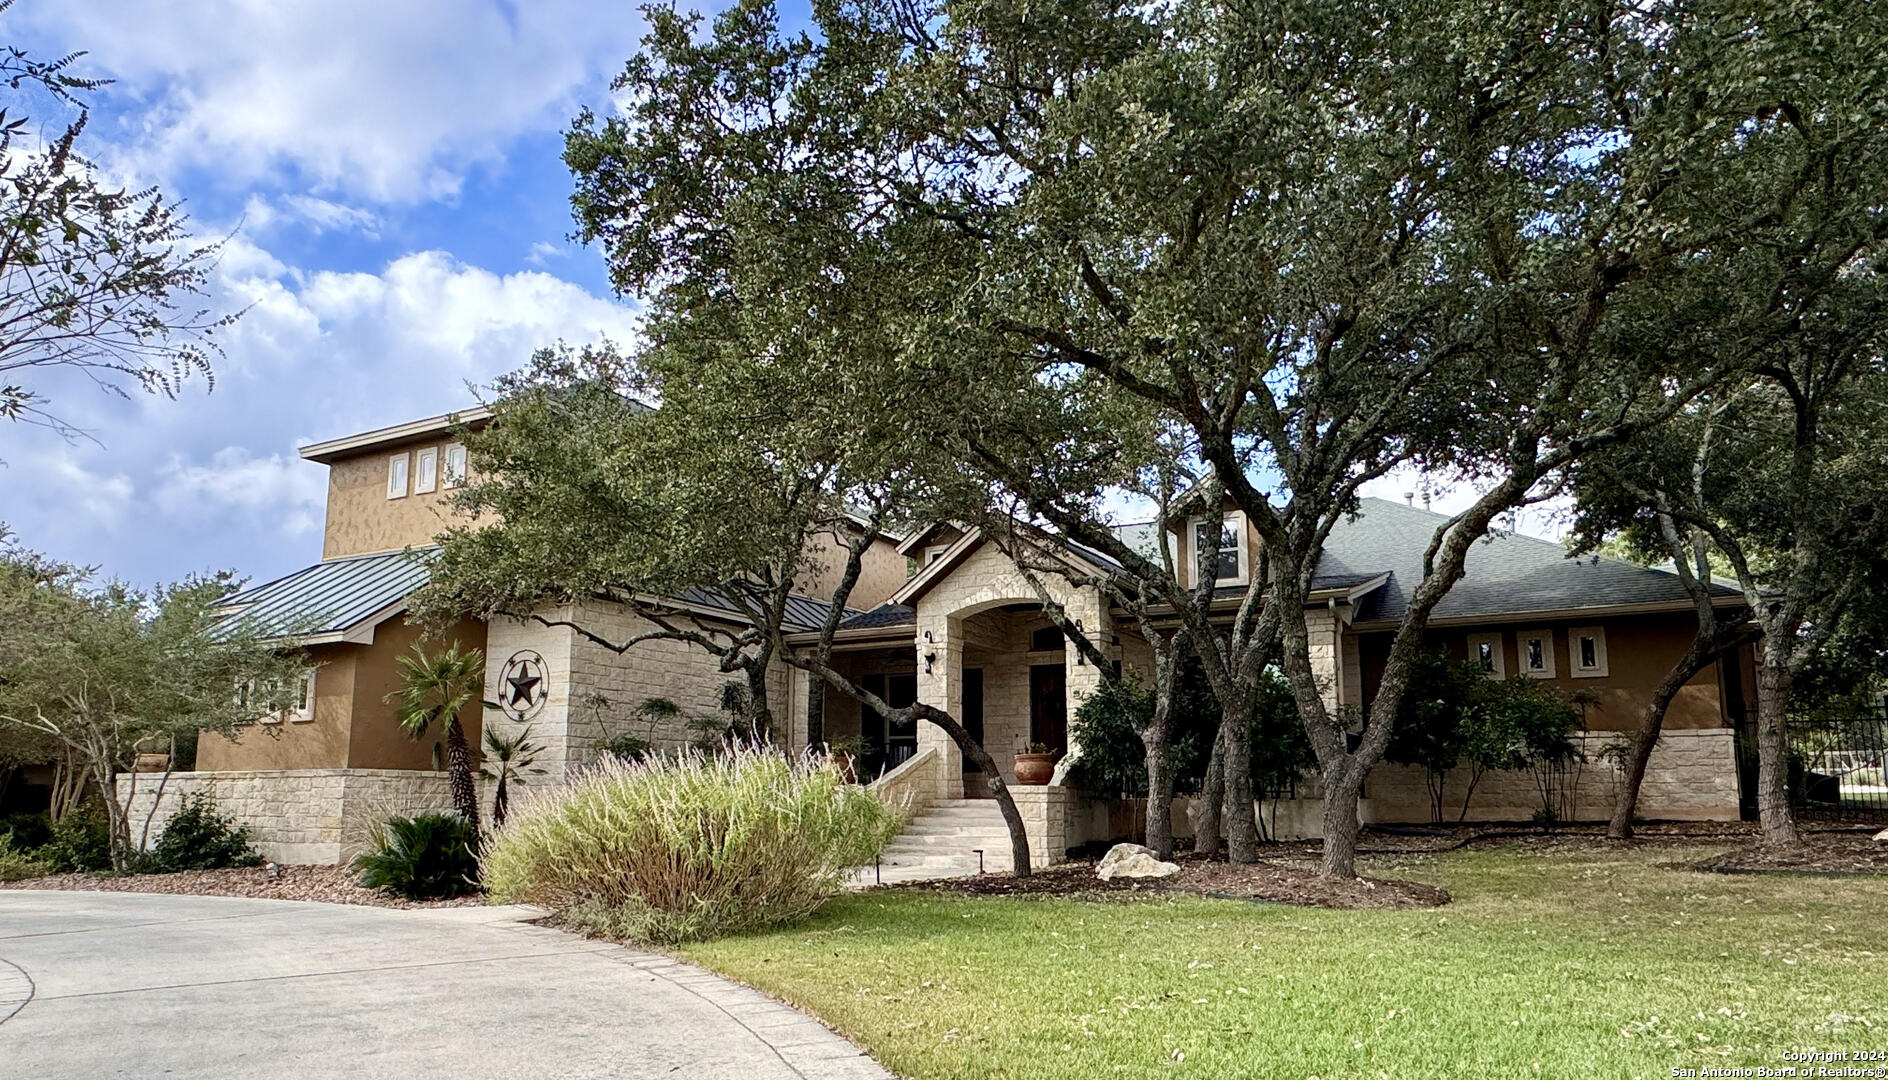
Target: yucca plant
432	690
673	848
423	857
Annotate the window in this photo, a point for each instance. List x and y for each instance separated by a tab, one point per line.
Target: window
1485	651
1537	653
933	554
455	465
302	709
1586	649
396	476
426	471
1232	550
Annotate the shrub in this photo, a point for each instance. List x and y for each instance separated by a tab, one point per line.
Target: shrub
81	841
27	830
693	846
198	838
18	865
423	857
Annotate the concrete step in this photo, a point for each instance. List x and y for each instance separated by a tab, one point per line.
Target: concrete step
932	827
953	839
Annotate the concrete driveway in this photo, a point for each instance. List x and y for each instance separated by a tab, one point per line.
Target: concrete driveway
125	984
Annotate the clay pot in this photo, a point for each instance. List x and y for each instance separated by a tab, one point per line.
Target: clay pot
1034	770
843	764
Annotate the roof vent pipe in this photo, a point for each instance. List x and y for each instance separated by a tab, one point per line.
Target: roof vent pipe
1409	497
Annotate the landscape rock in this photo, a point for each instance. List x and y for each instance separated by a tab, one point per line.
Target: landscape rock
1882	837
1133	861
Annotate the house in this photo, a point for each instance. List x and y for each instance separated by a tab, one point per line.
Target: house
942	616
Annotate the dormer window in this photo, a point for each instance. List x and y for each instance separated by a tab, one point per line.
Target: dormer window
426	471
455	465
396	476
1230	545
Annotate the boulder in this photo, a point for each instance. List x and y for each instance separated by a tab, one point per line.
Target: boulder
1882	837
1133	861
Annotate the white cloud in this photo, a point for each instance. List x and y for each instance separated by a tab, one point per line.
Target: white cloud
214	481
386	101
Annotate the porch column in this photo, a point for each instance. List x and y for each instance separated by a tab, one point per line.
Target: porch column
1084	679
940	649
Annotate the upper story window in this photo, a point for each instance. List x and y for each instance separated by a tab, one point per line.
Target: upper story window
1586	649
1485	652
1537	653
396	476
426	471
455	465
1230	546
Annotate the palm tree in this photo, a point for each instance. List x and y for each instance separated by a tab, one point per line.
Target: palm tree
434	688
511	758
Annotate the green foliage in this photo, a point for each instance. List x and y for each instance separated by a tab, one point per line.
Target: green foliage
26	830
81	842
674	849
624	747
18	862
1453	712
509	758
1107	727
427	856
198	838
434	688
107	671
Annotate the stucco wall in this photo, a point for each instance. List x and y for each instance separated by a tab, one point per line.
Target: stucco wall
354	726
360	516
882	570
302	816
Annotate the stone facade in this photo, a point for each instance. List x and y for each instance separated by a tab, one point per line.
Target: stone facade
295	816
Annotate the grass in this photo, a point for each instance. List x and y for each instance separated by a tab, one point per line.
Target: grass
1595	965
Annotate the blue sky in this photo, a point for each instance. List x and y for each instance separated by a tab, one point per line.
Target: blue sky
388	174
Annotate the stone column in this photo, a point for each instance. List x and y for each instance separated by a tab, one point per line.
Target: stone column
1088	608
940	648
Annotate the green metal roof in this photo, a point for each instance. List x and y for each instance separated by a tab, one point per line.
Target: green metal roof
330	601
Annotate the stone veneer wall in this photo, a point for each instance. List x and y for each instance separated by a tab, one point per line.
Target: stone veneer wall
296	816
914	786
595	693
1692	777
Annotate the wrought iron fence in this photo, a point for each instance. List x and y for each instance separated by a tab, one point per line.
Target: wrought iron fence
1838	766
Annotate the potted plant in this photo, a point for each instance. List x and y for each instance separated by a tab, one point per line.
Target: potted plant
1035	764
843	753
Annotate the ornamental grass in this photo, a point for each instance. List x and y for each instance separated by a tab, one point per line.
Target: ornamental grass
689	846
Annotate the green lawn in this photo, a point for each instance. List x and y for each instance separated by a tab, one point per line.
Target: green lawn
1557	966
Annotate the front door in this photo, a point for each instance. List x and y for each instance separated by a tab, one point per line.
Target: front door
974	786
1049	706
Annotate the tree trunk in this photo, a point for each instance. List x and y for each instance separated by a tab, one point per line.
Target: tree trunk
1646	737
1242	828
501	800
1012	817
1205	810
1159	785
760	714
1774	812
815	711
1341	827
465	797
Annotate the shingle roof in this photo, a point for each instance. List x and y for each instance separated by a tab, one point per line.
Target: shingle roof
882	615
329	597
803	612
1506	574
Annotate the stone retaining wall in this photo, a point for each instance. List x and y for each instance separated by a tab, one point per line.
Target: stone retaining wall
295	816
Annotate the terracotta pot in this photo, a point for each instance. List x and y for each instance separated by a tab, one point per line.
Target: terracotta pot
1034	770
842	761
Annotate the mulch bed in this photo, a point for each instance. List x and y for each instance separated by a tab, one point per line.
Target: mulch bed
1822	853
1272	882
326	884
